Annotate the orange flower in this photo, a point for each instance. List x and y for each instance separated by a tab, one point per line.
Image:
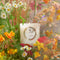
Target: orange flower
1	38
9	35
3	53
46	1
37	54
12	33
55	44
46	57
49	33
12	51
58	17
58	11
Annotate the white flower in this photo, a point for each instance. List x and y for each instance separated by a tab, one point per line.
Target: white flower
15	5
3	15
29	48
25	46
8	10
24	54
22	48
0	7
24	8
20	3
8	5
29	58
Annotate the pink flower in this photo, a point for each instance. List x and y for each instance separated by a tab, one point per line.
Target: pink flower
39	6
29	52
32	5
22	44
43	39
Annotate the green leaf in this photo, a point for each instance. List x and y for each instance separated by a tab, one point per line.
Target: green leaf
22	19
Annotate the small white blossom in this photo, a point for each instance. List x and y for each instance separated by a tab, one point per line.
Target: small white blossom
29	58
24	54
24	8
8	10
25	46
29	48
15	5
3	15
8	5
22	48
20	3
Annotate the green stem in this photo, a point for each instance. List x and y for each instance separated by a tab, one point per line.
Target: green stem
9	24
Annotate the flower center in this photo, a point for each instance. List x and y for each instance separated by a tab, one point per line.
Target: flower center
29	59
8	9
3	15
7	4
20	3
3	8
24	54
15	5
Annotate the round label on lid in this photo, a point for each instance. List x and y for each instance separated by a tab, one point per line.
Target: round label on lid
30	33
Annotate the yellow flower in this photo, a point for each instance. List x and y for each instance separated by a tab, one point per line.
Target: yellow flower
9	35
15	51
12	33
50	19
46	57
39	45
2	54
12	51
49	33
36	54
55	44
58	11
58	17
2	38
45	49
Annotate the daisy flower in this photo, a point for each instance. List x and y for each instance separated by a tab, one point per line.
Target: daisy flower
20	3
22	48
24	8
29	48
26	47
29	58
24	54
3	15
8	5
8	10
15	5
